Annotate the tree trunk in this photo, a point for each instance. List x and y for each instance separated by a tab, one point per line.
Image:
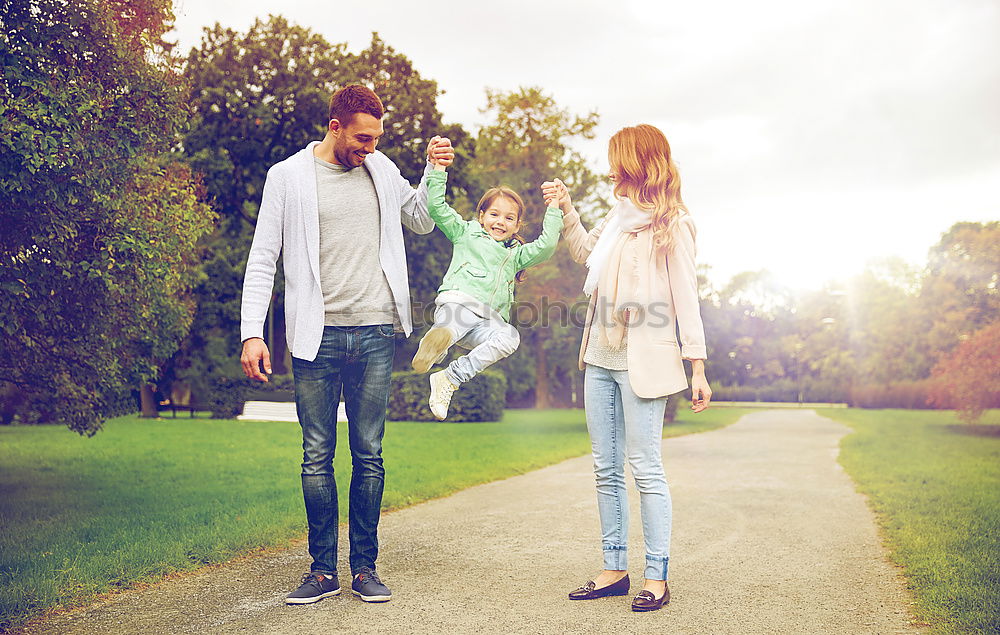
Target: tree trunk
542	399
148	401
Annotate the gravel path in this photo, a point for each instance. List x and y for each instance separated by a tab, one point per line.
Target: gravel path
769	537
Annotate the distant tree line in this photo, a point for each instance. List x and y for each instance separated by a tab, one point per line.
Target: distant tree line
893	336
131	176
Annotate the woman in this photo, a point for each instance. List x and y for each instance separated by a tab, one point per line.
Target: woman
642	285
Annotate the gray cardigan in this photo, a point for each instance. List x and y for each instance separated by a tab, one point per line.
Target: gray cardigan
288	223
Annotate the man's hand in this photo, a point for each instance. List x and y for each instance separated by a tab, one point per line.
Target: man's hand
439	152
255	352
557	195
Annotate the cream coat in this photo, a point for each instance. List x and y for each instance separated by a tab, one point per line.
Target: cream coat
666	290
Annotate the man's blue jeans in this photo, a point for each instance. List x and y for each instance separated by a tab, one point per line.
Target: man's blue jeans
357	360
623	425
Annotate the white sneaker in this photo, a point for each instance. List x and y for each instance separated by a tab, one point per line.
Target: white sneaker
441	391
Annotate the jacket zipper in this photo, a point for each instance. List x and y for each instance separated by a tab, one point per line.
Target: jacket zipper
499	274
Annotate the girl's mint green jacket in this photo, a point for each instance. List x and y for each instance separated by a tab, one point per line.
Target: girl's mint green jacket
480	266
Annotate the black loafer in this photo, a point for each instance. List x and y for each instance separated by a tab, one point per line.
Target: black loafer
646	601
588	592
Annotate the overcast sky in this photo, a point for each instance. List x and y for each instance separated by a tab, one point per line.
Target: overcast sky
812	137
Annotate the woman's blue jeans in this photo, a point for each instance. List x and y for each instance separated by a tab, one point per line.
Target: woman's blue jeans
357	360
622	425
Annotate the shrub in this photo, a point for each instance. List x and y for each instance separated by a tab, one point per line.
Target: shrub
969	378
228	394
781	390
277	388
481	399
122	402
226	397
785	390
900	394
824	391
670	412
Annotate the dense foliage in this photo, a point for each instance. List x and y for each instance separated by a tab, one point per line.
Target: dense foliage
968	380
114	272
226	395
481	399
98	250
257	98
871	341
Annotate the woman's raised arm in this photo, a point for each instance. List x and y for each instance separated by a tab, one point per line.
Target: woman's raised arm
580	241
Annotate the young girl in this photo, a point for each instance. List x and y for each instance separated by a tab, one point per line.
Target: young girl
643	288
474	299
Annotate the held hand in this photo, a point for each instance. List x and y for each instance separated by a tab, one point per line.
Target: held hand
701	394
550	194
564	200
439	151
431	145
254	352
557	195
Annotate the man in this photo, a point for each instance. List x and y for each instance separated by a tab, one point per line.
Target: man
333	210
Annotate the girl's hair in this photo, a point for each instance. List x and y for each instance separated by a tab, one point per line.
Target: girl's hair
644	172
491	195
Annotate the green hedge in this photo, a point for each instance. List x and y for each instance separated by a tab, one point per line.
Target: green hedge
786	390
912	395
481	399
900	394
229	393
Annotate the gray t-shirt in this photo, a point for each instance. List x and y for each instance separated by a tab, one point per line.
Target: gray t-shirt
355	289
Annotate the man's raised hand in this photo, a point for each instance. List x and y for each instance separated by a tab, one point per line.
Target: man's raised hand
440	152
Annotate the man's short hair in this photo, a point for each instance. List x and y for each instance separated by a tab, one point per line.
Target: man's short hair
352	99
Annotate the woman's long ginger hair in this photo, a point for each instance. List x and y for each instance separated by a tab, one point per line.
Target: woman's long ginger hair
644	172
484	204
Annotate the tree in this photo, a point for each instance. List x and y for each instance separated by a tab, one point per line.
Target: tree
748	324
822	323
888	330
961	289
98	242
256	98
969	379
528	142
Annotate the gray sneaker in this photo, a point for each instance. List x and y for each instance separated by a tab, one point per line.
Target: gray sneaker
368	587
314	587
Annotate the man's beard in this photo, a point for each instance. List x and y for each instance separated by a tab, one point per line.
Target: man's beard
347	159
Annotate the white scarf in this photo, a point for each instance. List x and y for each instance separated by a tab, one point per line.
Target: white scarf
625	218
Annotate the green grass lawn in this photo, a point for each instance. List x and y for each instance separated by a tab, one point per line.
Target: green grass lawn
144	498
934	484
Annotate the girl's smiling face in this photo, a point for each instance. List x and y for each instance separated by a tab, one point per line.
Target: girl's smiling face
501	218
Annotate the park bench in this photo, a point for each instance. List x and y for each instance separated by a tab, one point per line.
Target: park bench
182	397
277	411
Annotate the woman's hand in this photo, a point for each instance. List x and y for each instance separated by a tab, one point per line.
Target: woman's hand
550	193
557	195
701	394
